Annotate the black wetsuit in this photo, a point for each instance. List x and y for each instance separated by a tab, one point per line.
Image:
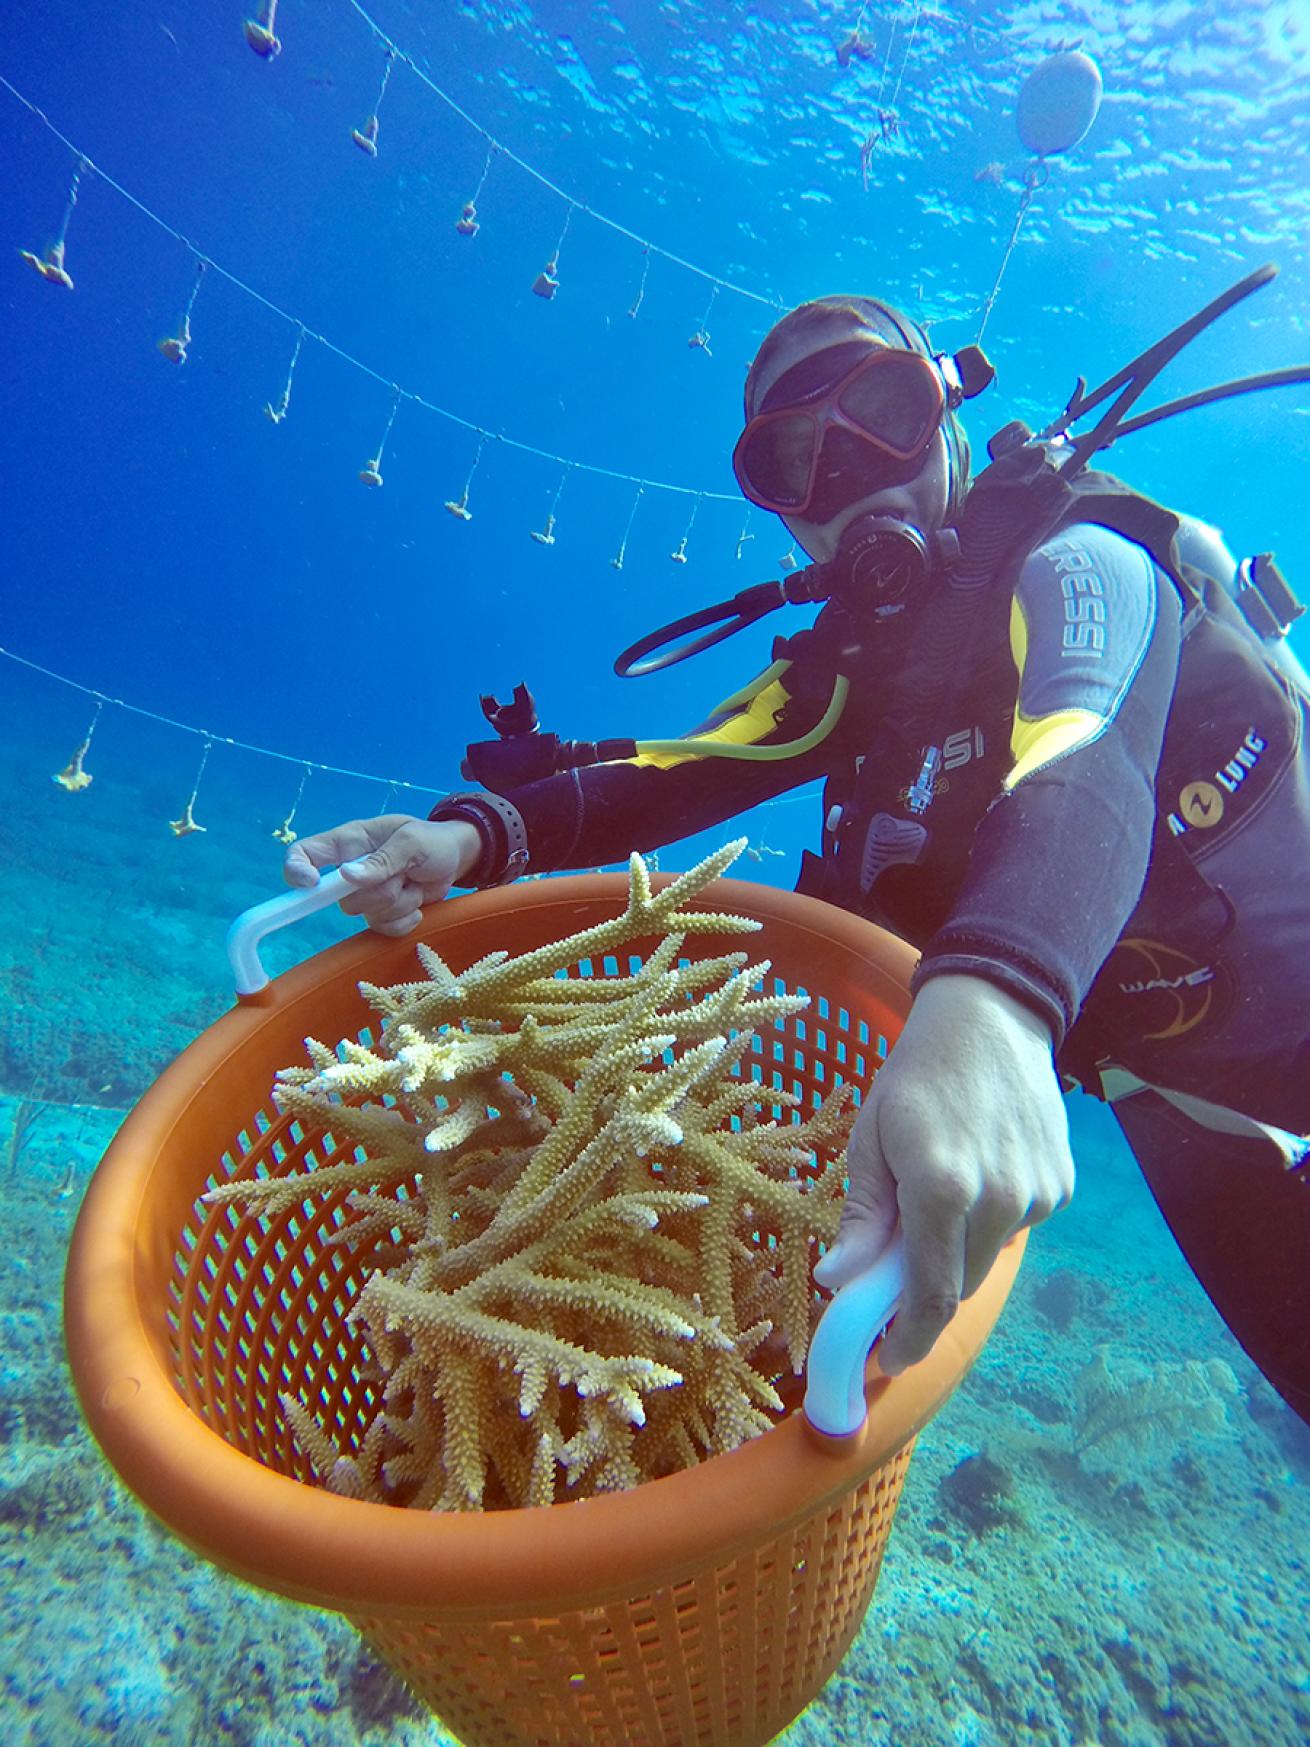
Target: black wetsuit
1119	835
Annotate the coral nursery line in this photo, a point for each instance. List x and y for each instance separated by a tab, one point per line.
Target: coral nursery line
53	267
74	777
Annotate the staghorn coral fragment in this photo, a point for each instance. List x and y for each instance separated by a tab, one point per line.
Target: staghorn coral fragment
587	1229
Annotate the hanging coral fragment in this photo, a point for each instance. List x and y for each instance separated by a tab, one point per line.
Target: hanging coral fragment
284	833
186	823
276	414
51	265
546	536
854	45
616	563
74	777
259	32
641	289
371	472
459	507
546	283
174	346
366	138
679	556
700	340
467	223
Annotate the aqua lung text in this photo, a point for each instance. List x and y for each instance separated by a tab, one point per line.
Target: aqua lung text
1201	804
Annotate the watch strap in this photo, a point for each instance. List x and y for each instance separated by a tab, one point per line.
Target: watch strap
500	826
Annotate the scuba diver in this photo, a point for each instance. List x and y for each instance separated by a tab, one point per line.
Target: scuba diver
1063	744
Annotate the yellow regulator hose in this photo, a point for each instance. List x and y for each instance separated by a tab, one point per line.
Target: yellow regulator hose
708	748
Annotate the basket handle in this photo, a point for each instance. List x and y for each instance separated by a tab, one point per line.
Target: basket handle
834	1373
250	927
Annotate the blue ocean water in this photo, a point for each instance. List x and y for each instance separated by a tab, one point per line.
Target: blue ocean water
208	586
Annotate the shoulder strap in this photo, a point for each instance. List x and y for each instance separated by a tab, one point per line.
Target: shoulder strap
1107	501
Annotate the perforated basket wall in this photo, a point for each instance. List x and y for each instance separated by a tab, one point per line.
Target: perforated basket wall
695	1611
729	1656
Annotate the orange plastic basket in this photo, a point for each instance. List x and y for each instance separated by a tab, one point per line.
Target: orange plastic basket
700	1610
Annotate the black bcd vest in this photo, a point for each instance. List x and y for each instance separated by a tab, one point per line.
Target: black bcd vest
955	670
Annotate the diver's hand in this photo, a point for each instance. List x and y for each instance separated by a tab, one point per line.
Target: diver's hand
397	863
965	1140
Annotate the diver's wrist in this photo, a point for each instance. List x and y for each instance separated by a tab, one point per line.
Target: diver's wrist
501	832
976	996
470	847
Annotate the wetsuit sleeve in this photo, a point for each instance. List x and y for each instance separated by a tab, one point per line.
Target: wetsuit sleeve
1059	859
601	813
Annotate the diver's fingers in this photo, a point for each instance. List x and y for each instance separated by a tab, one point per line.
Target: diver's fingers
868	1215
356	838
418	849
384	900
404	924
934	1247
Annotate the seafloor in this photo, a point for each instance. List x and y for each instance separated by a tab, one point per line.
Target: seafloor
1150	1593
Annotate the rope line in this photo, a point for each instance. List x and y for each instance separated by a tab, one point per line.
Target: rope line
205	261
346	357
208	734
909	50
306	764
575	204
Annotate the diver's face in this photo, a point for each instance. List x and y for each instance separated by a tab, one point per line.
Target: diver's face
840	496
921	502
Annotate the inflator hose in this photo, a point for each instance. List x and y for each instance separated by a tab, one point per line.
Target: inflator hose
757	754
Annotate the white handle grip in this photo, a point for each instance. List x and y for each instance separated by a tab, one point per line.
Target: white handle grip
250	927
834	1373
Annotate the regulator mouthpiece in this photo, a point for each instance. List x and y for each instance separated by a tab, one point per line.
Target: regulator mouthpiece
881	562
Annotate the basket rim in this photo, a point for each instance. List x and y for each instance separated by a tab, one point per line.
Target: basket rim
361	1558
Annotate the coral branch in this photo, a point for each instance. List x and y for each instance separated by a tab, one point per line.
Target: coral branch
591	1235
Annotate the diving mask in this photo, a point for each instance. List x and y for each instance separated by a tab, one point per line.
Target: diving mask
875	408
